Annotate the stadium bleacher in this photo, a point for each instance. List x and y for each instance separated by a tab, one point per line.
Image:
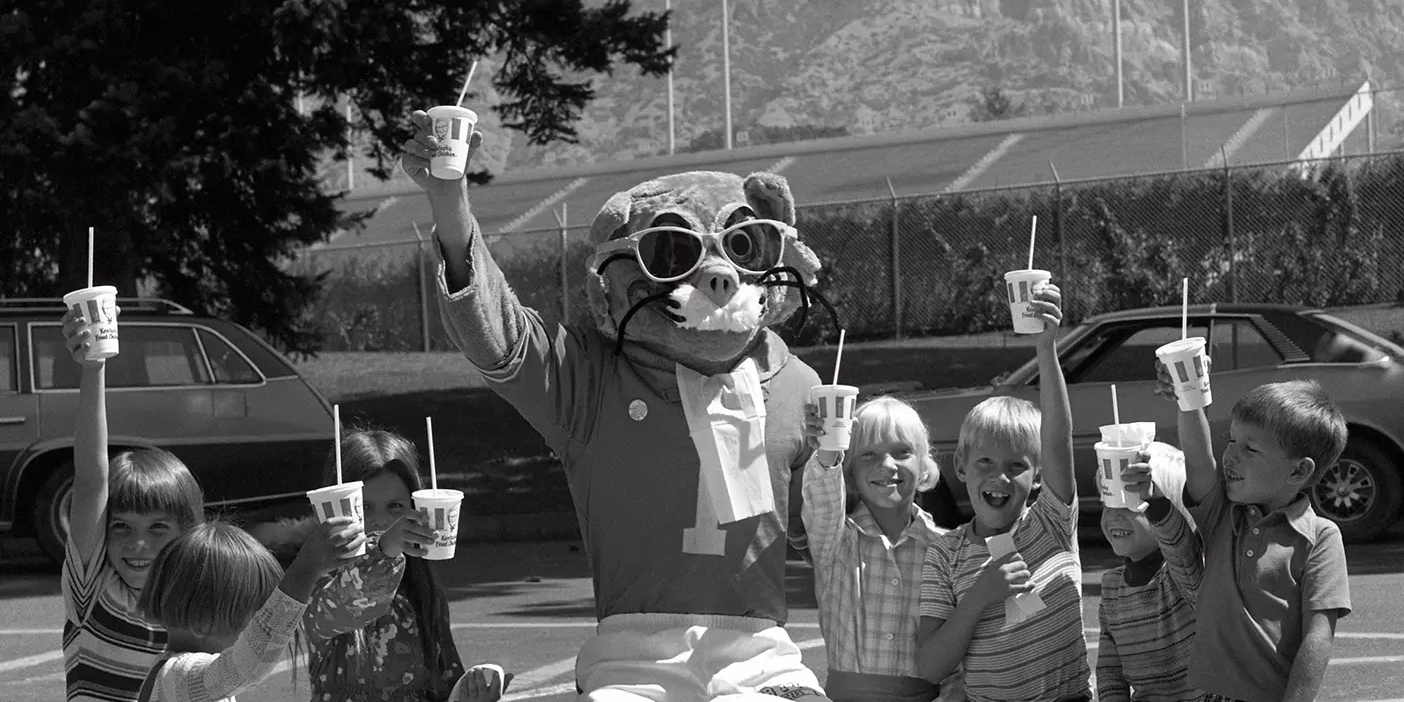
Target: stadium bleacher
1101	144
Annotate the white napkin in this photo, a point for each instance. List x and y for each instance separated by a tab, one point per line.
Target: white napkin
1019	607
1132	433
726	418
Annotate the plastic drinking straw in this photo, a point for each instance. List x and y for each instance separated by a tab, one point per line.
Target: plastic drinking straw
433	470
90	257
464	91
1033	231
838	358
1116	419
1184	310
336	419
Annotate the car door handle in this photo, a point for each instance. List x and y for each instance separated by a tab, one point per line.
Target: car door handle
6	421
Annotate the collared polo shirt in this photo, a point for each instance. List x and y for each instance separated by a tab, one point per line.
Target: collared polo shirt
1263	573
617	424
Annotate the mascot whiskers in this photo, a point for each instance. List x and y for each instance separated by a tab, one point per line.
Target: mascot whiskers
678	415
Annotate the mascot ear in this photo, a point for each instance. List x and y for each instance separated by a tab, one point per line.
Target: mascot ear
612	217
769	195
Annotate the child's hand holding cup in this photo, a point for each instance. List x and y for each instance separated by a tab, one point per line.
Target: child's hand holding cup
452	128
835	404
90	324
814	432
1022	286
408	535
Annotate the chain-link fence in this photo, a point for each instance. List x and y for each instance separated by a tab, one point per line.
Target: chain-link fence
1317	234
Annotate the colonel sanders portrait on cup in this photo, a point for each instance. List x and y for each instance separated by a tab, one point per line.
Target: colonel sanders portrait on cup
677	412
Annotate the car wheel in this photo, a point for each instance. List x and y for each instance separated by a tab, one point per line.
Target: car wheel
50	515
1361	493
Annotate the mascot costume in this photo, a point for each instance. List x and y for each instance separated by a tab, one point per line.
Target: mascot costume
678	415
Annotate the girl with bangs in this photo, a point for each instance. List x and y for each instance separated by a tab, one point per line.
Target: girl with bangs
230	609
868	537
124	510
379	628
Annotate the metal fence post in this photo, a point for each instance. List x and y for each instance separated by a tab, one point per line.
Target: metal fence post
1058	222
1228	227
896	267
565	289
423	288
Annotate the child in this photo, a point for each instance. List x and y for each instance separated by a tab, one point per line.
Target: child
380	628
1277	570
206	589
1003	451
867	538
123	512
1147	610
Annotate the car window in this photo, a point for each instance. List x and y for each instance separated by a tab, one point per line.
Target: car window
1123	352
230	367
1237	344
1334	340
149	355
8	382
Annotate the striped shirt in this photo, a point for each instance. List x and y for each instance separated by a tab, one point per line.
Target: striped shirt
1148	627
1043	658
107	649
868	587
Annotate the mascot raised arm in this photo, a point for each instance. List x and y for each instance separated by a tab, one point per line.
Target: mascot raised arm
677	413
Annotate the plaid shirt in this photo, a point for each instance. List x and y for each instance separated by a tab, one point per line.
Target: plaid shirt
868	588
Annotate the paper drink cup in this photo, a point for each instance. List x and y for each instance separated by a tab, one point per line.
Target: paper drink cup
440	509
1111	460
836	409
453	126
460	688
98	305
1021	286
344	500
1185	361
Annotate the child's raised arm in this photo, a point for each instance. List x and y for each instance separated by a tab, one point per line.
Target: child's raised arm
822	506
1201	470
358	594
1056	432
87	515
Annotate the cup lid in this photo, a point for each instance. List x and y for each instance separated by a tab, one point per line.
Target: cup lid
1028	273
437	494
1193	343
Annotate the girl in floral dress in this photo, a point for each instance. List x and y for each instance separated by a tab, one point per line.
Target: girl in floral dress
379	629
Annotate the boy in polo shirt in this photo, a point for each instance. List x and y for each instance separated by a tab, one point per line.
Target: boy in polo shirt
1277	570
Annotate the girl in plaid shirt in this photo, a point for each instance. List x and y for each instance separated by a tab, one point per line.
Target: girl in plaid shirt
868	537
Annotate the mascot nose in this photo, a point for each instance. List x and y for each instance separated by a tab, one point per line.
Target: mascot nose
719	283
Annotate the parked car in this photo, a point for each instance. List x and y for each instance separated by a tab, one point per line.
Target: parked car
232	408
1249	345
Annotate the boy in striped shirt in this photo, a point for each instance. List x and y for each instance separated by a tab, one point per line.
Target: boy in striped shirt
1147	616
1012	615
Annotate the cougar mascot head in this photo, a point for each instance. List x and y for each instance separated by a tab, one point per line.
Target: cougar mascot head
694	266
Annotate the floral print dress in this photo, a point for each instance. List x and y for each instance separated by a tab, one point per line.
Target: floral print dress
366	596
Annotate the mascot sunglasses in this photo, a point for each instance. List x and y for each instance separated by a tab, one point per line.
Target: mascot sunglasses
668	254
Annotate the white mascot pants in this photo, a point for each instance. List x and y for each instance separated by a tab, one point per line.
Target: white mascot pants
692	658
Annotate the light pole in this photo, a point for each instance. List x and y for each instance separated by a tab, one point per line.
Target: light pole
1189	85
668	39
1116	43
726	66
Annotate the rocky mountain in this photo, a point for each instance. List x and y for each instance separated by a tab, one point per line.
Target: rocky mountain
879	66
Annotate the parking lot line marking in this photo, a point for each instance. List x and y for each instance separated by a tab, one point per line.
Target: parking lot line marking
1367	660
30	632
30	661
557	689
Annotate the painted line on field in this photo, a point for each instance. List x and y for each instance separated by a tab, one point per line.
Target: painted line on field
781	165
540	207
978	168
